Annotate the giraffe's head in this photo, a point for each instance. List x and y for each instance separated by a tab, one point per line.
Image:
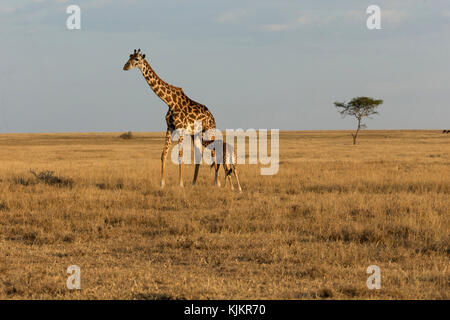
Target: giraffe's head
135	61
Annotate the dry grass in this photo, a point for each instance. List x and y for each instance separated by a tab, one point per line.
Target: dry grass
308	232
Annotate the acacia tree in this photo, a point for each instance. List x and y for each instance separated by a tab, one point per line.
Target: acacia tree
359	107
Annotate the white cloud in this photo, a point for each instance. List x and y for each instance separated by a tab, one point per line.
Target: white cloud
311	19
303	20
7	10
275	27
231	16
319	19
42	1
394	16
355	15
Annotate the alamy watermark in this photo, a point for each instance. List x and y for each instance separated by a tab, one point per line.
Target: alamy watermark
228	152
74	280
73	21
374	20
374	281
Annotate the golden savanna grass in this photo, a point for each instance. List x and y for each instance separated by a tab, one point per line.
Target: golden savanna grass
308	232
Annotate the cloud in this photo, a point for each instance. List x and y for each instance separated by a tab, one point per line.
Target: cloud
311	19
303	20
320	19
42	1
7	10
394	16
275	27
446	13
230	16
355	15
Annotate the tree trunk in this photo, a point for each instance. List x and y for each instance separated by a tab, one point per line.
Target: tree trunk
355	135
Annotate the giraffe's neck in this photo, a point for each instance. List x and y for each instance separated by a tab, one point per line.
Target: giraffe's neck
171	95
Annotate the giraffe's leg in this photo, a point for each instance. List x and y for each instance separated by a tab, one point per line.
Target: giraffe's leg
197	165
180	159
164	156
216	168
229	178
237	178
225	170
231	181
229	162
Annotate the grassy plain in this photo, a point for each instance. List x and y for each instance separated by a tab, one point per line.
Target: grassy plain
308	232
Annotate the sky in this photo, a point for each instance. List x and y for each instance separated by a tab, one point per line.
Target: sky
273	64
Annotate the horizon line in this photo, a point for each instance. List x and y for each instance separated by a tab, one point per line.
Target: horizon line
287	130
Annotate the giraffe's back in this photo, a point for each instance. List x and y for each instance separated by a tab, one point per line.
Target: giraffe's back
184	117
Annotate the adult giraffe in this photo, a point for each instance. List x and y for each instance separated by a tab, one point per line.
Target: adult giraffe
182	114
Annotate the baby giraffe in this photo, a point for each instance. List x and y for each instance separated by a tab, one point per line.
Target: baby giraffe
229	165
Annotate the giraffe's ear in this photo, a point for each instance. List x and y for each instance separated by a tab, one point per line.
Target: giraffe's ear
143	56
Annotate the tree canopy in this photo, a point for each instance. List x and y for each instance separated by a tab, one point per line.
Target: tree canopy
359	107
